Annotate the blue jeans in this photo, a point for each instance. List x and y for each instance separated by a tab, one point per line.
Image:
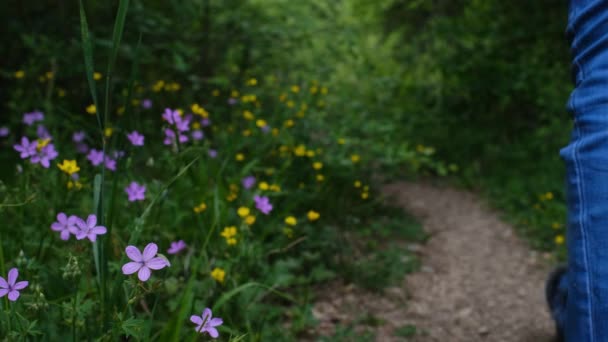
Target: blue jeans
585	315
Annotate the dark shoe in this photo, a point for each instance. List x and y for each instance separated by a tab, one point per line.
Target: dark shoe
556	298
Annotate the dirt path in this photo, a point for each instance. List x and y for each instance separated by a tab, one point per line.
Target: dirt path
478	281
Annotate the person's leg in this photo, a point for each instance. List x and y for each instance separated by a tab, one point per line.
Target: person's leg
586	157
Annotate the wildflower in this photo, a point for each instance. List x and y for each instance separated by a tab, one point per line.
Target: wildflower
248	115
26	149
69	166
212	153
355	158
232	101
10	285
143	263
313	215
135	138
200	208
108	131
252	81
19	74
559	239
65	225
206	323
171	116
263	186
275	188
45	154
300	151
239	157
341	141
170	137
556	225
295	89
357	184
109	163
250	220
261	123
77	185
248	182
198	134
146	103
243	211
263	204
365	195
30	118
290	220
229	234
91	109
136	192
289	123
95	157
78	136
97	76
176	247
4	131
320	178
88	229
317	165
218	274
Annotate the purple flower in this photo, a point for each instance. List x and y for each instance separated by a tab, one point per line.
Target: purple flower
30	118
65	225
42	132
44	157
146	103
118	154
4	131
170	137
78	136
89	229
248	182
172	116
206	323
205	122
82	148
110	163
198	135
182	124
265	128
27	148
232	101
212	153
11	286
176	247
263	204
95	157
136	192
143	263
135	138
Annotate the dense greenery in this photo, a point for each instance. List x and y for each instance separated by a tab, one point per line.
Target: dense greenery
312	99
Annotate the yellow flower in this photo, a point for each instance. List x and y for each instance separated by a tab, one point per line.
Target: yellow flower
355	158
357	184
549	196
252	82
243	211
269	171
19	74
295	89
261	123
49	75
218	274
97	76
198	110
313	215
108	131
341	141
91	109
290	220
300	151
324	90
229	232
74	185
246	133
556	225
263	186
320	178
200	208
365	195
61	92
250	220
310	153
314	90
234	93
41	143
559	239
231	197
275	132
248	115
239	157
158	86
290	104
69	166
317	165
231	241
275	188
196	125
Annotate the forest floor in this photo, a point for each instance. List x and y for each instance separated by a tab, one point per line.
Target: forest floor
478	281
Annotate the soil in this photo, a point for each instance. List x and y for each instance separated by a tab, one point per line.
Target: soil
478	280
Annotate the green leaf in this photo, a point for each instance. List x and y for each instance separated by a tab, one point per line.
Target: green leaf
87	48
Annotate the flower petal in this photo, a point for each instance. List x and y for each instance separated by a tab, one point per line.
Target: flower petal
61	218
131	267
65	235
91	221
214	322
3	292
99	230
3	283
12	276
21	285
157	263
133	253
206	314
144	273
212	332
194	319
13	295
150	251
56	226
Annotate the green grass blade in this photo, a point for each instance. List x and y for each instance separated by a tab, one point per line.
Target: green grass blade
87	48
